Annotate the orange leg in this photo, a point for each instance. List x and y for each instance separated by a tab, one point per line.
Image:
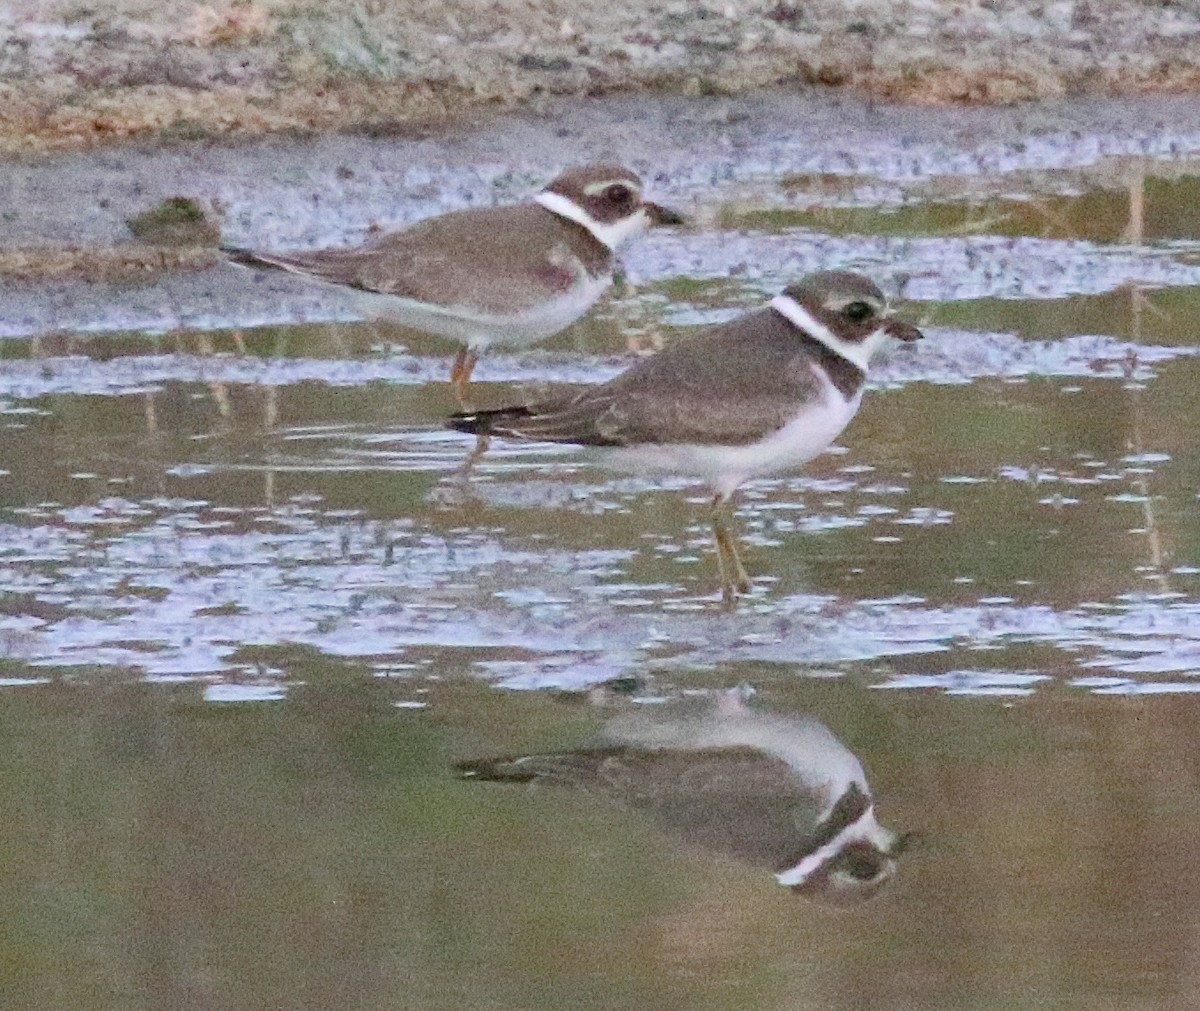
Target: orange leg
460	376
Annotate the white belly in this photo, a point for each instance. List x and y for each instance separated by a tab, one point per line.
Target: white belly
478	329
725	467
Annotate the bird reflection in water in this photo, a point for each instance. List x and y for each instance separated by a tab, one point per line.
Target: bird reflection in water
770	791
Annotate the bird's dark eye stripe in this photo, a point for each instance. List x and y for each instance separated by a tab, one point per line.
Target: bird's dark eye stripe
858	310
617	193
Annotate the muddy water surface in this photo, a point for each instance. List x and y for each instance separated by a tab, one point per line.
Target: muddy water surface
252	612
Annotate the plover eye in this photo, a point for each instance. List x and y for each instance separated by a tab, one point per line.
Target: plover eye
617	193
858	311
861	866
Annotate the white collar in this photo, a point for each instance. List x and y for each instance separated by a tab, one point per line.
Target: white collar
858	353
611	235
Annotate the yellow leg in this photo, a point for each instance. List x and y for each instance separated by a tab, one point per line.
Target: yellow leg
481	446
456	492
460	376
734	579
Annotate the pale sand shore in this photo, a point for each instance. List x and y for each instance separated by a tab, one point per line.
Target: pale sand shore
74	76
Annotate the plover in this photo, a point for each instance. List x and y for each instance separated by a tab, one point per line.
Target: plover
759	395
499	275
781	793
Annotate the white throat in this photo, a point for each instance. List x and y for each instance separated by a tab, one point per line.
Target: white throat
859	353
613	234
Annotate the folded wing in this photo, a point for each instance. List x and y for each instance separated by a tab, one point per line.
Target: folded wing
755	361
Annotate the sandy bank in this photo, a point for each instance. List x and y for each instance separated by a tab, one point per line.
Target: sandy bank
74	76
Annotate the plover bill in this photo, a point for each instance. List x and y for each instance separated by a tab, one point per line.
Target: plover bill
759	395
498	275
771	791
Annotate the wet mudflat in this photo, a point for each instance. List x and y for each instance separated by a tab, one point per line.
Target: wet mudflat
252	612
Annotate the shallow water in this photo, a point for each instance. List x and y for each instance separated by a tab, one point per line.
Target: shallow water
252	612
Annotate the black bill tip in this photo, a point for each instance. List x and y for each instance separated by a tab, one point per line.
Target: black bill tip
660	215
903	331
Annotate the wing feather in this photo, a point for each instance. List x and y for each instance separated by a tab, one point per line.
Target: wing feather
467	252
761	370
737	801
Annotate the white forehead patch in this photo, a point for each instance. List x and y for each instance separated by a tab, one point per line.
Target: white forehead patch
612	234
595	189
